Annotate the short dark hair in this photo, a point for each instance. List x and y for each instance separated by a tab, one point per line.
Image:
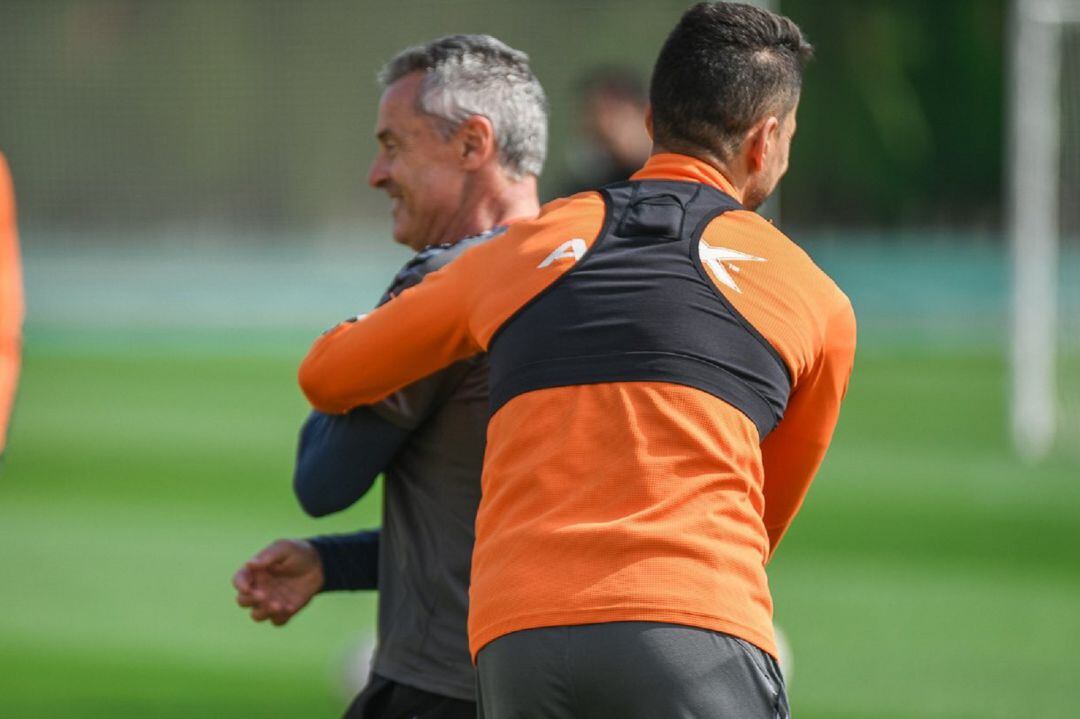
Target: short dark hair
725	67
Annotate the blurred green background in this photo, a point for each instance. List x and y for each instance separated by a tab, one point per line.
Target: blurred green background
193	212
124	114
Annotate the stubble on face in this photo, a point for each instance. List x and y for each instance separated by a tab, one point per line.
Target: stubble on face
415	166
776	165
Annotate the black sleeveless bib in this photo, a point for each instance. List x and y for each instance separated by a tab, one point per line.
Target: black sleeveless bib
639	307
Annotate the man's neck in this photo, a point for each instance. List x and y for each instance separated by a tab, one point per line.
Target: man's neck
490	204
737	177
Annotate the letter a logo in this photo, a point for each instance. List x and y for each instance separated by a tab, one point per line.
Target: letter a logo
571	248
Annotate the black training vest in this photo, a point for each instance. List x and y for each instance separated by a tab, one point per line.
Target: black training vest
639	307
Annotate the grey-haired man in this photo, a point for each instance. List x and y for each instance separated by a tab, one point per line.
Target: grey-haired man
462	132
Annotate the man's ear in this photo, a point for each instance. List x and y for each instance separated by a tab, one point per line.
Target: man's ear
476	137
760	141
648	121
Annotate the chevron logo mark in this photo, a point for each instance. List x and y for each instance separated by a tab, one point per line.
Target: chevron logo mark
722	261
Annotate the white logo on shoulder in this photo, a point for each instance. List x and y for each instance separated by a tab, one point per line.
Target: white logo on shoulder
722	261
574	248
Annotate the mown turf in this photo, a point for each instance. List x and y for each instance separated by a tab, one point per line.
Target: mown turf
136	482
929	575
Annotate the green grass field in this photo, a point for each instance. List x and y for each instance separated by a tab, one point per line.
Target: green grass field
929	575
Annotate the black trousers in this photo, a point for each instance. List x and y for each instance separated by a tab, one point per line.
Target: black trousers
383	698
628	670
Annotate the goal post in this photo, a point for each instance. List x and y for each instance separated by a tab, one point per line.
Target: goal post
1034	211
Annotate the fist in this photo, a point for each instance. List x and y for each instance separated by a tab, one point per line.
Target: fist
279	581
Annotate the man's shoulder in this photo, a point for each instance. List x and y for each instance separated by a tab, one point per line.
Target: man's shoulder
776	285
435	257
579	216
745	229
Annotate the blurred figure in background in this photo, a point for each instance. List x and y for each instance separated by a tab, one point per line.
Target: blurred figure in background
11	302
462	132
612	102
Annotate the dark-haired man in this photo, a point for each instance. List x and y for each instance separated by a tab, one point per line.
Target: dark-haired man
462	132
666	373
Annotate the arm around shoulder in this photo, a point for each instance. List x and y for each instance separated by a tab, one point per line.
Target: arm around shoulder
423	330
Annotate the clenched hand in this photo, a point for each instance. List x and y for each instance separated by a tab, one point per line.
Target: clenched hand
279	581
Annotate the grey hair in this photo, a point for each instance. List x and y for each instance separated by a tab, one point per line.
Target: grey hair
469	75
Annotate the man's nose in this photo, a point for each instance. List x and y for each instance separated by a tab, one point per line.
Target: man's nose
377	174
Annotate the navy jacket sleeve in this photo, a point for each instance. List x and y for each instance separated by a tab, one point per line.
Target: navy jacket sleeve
340	456
349	561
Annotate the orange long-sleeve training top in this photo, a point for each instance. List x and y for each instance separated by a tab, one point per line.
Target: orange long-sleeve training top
624	499
11	302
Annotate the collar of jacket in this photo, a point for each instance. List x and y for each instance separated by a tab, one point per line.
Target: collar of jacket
673	166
